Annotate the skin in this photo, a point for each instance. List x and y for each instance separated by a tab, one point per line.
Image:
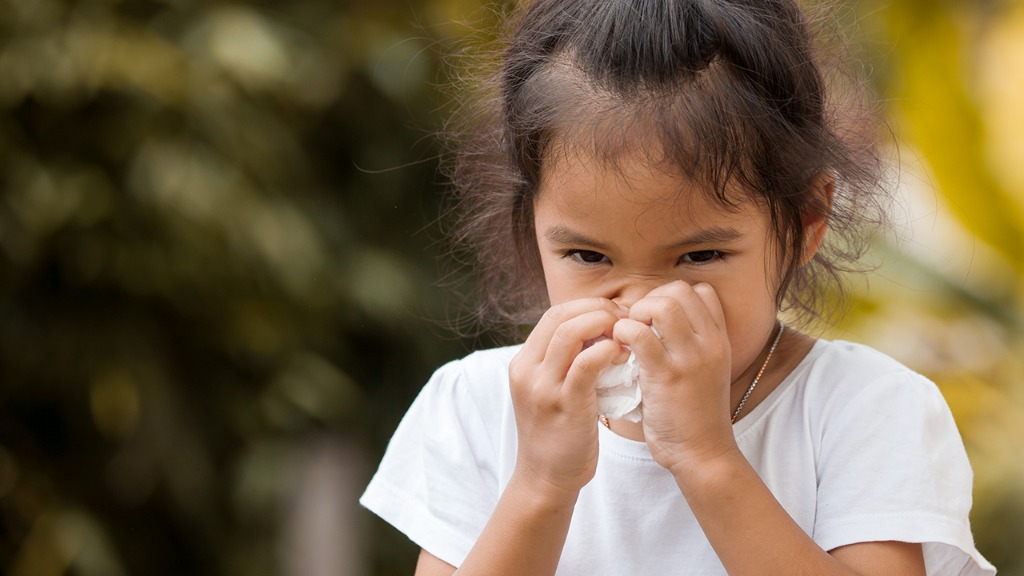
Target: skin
625	249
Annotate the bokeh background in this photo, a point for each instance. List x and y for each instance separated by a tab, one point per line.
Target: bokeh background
220	284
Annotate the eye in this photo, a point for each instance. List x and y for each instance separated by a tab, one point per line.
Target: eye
586	257
701	257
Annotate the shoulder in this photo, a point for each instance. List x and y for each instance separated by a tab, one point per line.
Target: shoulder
889	461
854	360
441	475
480	378
845	389
486	362
842	370
478	369
860	397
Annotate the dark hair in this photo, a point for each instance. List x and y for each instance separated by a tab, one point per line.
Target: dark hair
731	91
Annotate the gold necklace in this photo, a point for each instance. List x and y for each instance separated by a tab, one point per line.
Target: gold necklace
750	389
743	401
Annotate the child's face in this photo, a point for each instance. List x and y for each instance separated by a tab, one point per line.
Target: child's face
620	231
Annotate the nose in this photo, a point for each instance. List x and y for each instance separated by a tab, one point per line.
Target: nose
629	291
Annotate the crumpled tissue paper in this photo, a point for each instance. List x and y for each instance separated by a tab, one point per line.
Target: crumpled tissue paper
618	391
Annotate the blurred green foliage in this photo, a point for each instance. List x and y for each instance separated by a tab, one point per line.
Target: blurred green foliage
218	248
949	299
215	244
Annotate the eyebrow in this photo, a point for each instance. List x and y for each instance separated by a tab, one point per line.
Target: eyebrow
561	234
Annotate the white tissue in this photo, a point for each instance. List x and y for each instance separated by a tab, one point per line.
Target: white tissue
618	391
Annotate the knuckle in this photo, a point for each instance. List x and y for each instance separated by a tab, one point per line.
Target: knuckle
518	387
586	364
607	346
515	366
520	376
646	335
526	396
563	333
672	288
667	304
556	314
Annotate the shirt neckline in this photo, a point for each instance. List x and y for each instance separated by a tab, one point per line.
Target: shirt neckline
636	450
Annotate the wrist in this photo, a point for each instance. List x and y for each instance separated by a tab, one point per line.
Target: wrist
541	491
709	468
698	451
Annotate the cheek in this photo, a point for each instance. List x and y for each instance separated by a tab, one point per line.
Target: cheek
749	320
564	283
557	283
561	290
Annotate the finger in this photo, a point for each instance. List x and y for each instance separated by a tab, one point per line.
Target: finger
535	348
568	339
677	311
706	292
642	339
664	314
587	366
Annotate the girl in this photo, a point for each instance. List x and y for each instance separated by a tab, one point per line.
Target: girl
663	175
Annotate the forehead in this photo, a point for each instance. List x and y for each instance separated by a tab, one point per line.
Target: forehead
634	194
637	170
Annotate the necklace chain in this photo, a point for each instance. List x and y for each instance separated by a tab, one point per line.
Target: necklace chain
746	395
750	389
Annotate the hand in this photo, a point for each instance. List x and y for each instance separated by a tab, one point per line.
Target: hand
685	372
552	383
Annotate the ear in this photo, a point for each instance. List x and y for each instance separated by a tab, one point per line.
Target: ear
815	217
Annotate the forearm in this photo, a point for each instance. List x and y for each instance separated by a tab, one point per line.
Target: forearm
749	530
524	535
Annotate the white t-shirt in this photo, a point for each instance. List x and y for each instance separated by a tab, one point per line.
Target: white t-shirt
855	446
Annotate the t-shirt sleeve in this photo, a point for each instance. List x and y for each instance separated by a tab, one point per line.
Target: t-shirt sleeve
437	482
892	466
